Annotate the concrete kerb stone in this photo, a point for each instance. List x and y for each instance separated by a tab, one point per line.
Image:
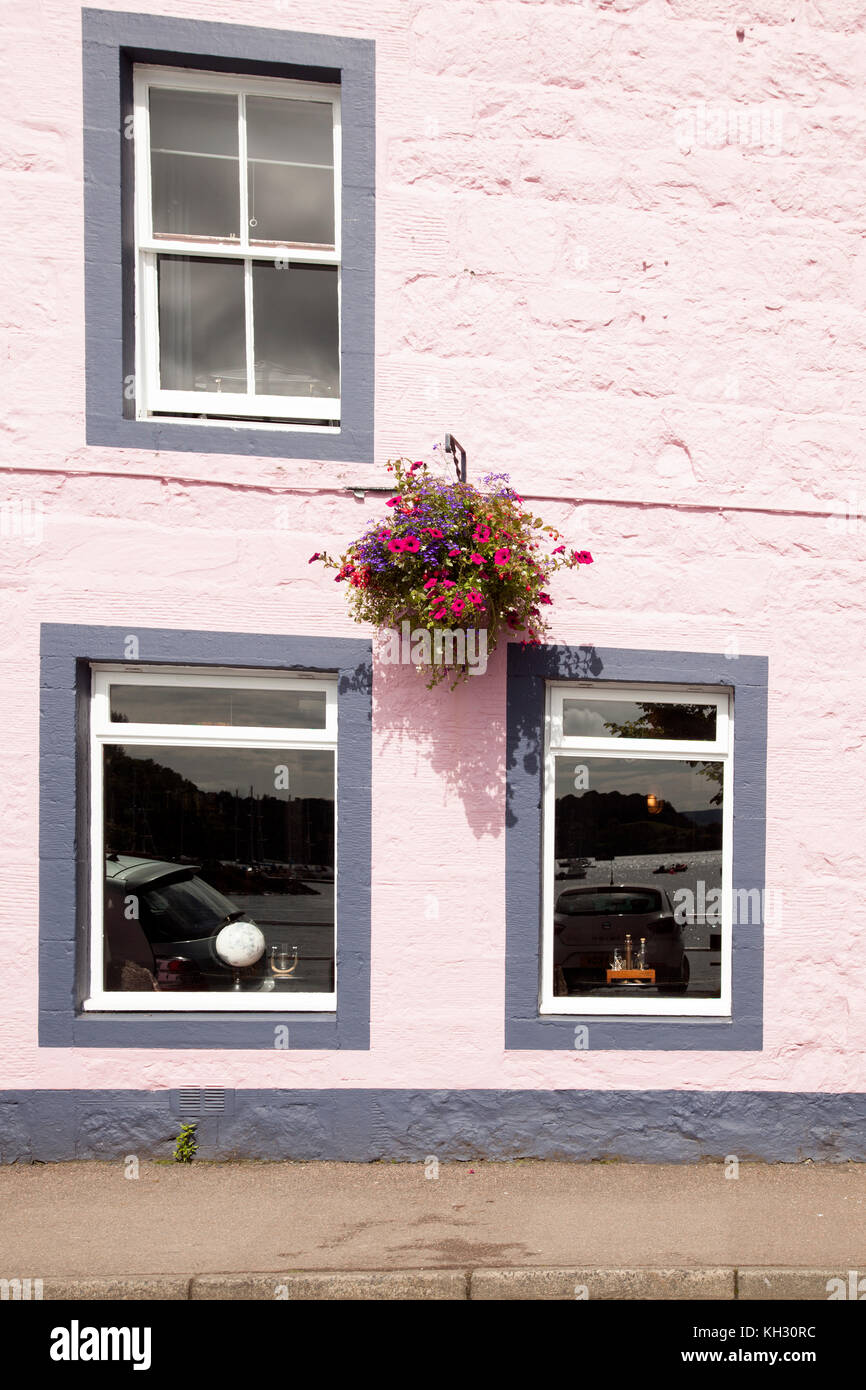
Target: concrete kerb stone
159	1288
595	1284
366	1285
796	1284
548	1284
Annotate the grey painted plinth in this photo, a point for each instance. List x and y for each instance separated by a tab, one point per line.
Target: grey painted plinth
363	1126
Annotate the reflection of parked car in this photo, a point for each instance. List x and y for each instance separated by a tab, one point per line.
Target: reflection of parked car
162	918
589	924
571	868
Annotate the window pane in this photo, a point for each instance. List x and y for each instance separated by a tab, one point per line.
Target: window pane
638	854
588	718
200	838
291	131
217	705
296	319
290	151
194	163
202	341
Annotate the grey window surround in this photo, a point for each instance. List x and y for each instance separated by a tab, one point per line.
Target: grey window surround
64	841
112	43
529	670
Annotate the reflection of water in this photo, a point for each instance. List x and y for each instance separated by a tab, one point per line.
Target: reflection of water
704	866
283	908
298	920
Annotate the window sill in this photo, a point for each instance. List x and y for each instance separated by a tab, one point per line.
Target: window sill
205	421
248	1002
664	1008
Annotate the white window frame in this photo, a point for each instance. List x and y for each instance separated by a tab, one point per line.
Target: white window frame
150	396
103	732
718	750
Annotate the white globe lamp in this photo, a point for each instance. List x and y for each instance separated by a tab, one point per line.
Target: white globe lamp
239	944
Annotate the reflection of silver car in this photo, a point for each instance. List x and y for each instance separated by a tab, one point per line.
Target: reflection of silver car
161	921
589	924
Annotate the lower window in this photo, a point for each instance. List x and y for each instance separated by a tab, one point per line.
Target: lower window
637	856
213	841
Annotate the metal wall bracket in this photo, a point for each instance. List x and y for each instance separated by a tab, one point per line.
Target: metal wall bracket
453	448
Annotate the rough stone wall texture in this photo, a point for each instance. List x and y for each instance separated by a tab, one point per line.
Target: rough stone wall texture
598	291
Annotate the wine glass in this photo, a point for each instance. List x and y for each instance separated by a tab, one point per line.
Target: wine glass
282	960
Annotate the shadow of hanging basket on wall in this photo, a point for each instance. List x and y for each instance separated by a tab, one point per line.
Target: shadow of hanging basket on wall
459	735
525	743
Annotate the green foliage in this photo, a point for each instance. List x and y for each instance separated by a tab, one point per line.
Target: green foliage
185	1145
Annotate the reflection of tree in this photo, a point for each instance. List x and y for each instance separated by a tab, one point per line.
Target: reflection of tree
153	811
608	824
681	722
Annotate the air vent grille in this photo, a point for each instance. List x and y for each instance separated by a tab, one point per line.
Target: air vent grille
195	1100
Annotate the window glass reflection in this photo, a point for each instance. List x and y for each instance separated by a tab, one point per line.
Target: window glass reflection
588	718
200	840
637	876
234	706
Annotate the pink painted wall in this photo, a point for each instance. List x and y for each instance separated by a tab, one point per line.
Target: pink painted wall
597	294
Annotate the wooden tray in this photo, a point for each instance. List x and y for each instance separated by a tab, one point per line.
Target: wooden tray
631	975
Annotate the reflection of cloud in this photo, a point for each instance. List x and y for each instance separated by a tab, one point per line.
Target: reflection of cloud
581	721
311	771
233	706
684	788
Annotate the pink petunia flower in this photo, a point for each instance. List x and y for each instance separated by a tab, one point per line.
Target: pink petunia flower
502	556
458	606
452	553
476	558
583	557
396	544
440	613
474	597
412	544
481	533
448	584
314	557
430	584
393	501
545	598
558	551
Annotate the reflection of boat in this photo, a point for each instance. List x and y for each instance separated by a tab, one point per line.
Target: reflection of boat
255	878
571	867
671	869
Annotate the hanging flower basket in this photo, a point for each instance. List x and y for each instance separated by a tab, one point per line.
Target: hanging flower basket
452	558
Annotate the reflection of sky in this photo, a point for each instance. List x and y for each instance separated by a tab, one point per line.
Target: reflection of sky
587	718
187	704
684	788
311	771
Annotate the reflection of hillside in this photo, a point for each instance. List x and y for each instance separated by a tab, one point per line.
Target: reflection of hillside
153	811
602	824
